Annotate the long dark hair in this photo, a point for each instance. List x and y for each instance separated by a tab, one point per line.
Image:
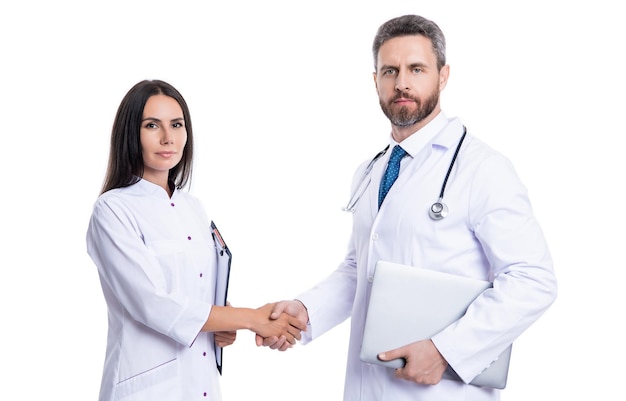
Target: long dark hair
125	159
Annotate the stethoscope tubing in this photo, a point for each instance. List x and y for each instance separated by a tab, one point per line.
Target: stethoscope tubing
437	211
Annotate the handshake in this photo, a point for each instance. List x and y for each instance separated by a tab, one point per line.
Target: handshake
276	325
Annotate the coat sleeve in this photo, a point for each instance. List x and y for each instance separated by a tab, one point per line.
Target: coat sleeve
524	284
329	303
136	279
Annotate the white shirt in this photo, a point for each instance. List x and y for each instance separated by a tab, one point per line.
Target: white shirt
490	233
156	260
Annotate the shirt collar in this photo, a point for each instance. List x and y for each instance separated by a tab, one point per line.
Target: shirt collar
420	138
150	188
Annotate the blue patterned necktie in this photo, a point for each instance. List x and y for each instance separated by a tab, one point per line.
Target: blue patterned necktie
393	168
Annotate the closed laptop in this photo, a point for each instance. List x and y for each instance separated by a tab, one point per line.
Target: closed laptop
408	304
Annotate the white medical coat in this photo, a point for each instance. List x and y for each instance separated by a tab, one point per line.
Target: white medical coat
156	261
490	233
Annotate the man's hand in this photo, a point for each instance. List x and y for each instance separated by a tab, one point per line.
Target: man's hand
424	363
279	325
293	308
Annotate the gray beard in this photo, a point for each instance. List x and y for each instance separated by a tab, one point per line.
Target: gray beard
404	118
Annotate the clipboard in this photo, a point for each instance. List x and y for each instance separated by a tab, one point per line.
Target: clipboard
224	258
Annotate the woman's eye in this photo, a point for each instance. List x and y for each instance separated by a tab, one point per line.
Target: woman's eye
177	125
151	125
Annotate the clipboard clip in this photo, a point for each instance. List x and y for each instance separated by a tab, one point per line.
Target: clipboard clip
217	237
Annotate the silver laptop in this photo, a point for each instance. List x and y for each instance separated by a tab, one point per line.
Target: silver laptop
409	304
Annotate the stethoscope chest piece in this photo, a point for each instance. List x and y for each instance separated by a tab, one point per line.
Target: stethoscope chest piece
438	210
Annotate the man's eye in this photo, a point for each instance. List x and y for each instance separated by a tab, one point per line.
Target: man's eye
417	70
389	71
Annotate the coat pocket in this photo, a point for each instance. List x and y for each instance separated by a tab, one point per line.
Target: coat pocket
157	383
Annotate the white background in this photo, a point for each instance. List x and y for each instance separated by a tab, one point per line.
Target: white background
542	81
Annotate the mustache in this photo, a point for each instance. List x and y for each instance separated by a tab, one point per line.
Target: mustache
404	95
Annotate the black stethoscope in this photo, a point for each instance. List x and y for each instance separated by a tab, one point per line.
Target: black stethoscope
437	210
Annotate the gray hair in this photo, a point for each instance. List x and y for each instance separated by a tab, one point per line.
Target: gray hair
411	25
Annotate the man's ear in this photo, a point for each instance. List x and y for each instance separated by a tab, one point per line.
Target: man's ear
443	77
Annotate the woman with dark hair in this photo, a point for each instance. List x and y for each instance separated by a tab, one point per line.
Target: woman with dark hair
156	258
126	163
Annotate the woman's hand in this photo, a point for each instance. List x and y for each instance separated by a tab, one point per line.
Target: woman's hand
294	308
278	326
225	338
